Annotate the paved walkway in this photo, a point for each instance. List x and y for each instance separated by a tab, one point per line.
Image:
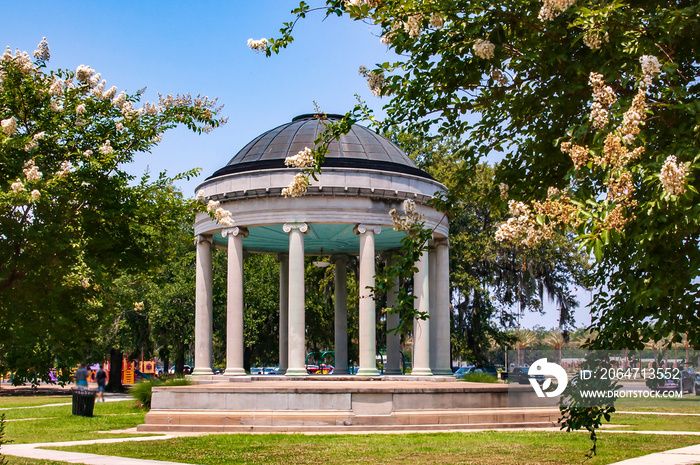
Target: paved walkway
33	451
684	456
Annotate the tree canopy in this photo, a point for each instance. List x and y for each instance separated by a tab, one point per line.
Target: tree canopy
71	217
593	108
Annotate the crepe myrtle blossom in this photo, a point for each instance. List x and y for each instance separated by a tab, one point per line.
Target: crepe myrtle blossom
483	49
673	176
303	159
297	187
42	51
35	194
31	171
17	186
9	126
258	45
223	217
200	195
552	8
409	219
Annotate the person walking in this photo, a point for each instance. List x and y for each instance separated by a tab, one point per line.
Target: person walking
101	378
81	377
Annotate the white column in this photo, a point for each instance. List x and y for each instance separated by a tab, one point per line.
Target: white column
296	362
421	328
368	316
393	339
283	259
443	364
234	302
203	343
432	268
341	315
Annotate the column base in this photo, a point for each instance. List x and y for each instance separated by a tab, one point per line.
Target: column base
281	371
202	372
235	372
367	372
422	372
296	372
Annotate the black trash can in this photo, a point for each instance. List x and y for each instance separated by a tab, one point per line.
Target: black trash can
83	402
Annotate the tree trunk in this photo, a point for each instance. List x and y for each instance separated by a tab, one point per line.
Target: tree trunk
115	371
180	360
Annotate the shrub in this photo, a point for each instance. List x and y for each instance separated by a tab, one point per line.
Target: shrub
479	377
143	391
3	461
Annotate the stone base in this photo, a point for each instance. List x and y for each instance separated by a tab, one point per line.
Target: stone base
341	406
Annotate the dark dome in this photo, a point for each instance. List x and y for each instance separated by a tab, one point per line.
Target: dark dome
360	148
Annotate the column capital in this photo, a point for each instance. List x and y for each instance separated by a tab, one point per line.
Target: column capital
363	228
235	231
289	227
199	238
443	241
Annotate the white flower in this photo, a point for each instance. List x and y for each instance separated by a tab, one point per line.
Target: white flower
83	73
31	171
7	56
39	135
303	159
88	153
297	187
9	125
223	217
80	109
55	106
551	8
650	68
119	100
35	195
17	186
42	51
31	145
119	126
484	49
673	176
413	25
375	81
258	45
110	93
138	306
436	20
56	88
503	187
200	194
66	167
592	40
212	206
410	218
106	148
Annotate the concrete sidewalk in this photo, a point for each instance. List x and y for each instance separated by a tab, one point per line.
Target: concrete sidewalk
33	451
684	456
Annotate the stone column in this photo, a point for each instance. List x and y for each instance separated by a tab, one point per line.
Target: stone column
443	360
368	317
421	328
203	344
341	315
432	268
393	339
296	361
234	302
283	259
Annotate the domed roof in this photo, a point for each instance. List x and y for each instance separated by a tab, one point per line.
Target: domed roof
360	148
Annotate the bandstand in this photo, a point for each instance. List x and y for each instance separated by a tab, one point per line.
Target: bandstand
344	213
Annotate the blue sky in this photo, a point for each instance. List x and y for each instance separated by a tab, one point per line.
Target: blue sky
200	47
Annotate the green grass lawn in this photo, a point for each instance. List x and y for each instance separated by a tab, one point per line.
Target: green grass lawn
484	448
656	422
22	401
51	424
690	403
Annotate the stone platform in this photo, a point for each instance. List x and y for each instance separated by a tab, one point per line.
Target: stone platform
326	405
